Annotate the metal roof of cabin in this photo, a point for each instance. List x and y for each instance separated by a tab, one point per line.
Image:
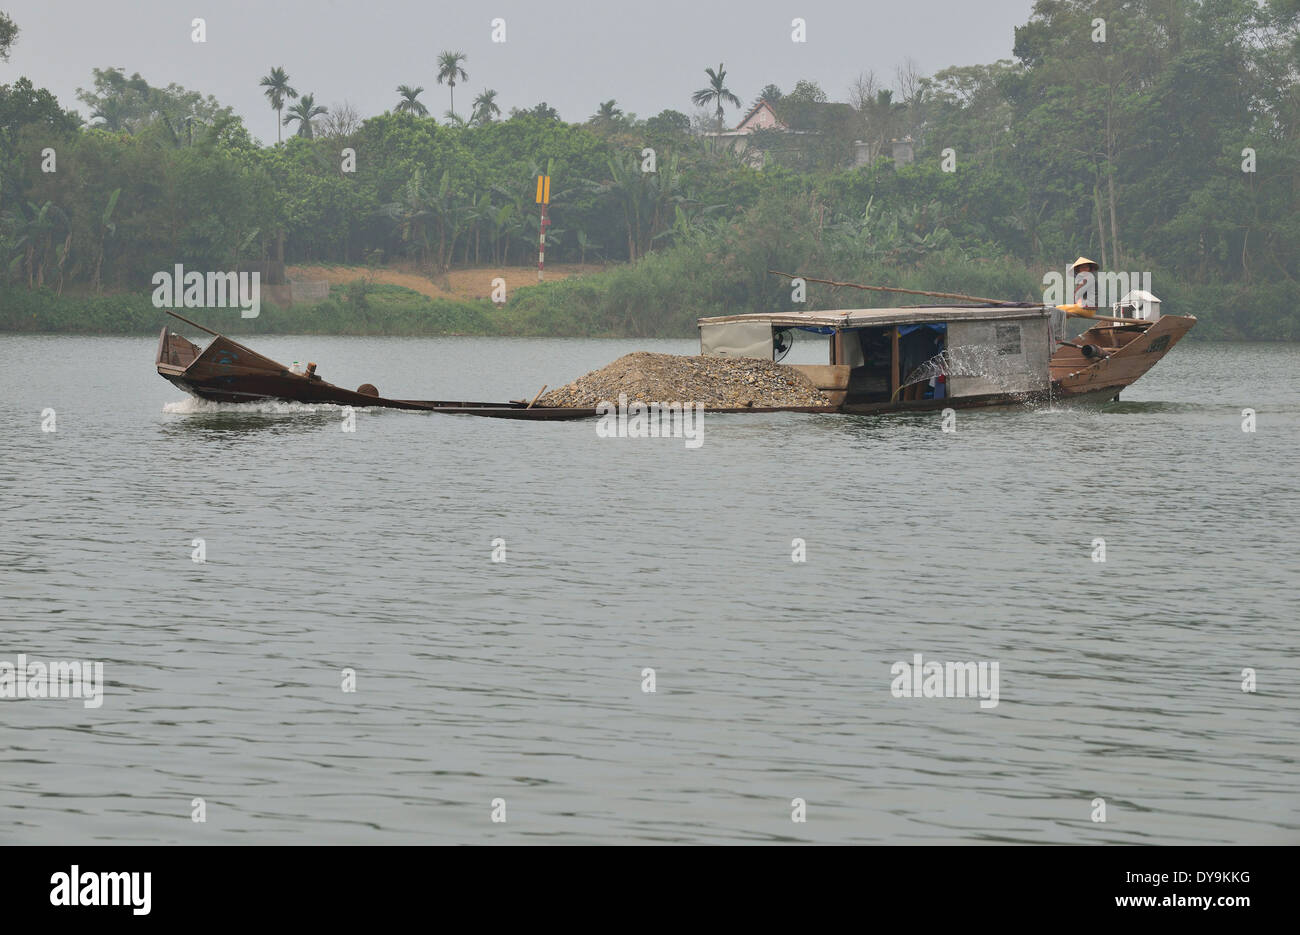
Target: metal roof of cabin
871	317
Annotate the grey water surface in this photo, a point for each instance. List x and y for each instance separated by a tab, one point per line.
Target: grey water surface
522	680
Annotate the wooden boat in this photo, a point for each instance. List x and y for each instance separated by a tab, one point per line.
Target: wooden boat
228	372
875	353
874	356
1112	355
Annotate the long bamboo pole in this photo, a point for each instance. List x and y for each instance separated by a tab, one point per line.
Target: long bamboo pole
858	285
194	323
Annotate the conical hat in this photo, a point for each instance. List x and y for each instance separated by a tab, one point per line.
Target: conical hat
1084	261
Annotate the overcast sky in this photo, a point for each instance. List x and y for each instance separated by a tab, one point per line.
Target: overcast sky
649	55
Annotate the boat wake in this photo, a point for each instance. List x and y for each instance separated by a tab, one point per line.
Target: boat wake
192	405
968	361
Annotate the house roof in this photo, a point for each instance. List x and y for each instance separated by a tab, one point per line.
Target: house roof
753	112
820	115
870	317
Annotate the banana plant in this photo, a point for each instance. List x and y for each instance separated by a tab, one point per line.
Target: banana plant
107	227
411	213
480	212
451	217
500	221
13	243
39	243
585	243
646	200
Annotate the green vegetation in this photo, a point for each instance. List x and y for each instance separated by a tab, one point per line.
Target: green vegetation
359	308
8	35
1173	146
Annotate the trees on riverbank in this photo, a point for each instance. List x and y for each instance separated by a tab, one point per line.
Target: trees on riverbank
1172	145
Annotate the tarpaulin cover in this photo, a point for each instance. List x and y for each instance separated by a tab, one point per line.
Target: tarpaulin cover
933	326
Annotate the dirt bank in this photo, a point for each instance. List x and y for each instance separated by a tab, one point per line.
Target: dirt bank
473	283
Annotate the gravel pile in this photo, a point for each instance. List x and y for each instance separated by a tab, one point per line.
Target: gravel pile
716	382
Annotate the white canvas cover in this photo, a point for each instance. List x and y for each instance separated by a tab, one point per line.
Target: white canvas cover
736	339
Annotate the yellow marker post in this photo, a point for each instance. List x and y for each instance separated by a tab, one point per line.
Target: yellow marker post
543	199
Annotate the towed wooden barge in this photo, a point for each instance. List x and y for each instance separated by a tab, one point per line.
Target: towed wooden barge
879	360
228	372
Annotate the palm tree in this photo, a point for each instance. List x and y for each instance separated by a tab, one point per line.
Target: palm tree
277	89
717	92
450	70
770	93
485	108
408	104
304	112
607	112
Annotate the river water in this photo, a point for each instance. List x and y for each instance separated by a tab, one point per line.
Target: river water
523	680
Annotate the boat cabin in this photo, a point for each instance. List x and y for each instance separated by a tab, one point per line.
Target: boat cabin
1138	304
886	356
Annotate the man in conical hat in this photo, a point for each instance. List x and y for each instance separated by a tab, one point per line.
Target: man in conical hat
1085	281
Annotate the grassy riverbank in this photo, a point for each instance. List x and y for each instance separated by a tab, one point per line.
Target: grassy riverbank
661	296
357	309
